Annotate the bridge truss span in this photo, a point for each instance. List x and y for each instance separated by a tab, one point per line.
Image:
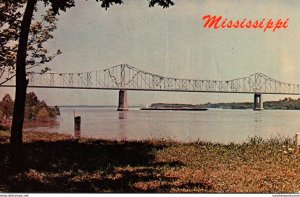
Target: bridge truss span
126	77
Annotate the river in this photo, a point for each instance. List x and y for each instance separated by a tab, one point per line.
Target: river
214	125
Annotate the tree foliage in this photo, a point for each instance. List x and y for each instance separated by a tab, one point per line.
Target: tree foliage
40	32
9	30
43	113
6	106
162	3
33	107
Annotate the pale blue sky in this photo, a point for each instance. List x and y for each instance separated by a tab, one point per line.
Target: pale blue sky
172	42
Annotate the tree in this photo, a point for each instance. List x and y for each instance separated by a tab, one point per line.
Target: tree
32	107
43	114
31	104
6	106
40	33
36	54
1	115
21	81
10	24
30	44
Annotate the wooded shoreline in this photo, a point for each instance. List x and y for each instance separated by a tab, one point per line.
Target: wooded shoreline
282	104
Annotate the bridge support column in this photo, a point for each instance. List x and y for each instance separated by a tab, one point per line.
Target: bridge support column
123	106
258	103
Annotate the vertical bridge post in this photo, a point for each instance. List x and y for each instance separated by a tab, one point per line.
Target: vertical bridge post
258	103
123	106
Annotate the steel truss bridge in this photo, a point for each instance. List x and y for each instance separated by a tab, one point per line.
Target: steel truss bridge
126	77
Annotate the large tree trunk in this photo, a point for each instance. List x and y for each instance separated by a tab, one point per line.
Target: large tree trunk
21	87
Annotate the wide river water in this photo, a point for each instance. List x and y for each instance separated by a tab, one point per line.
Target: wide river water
215	125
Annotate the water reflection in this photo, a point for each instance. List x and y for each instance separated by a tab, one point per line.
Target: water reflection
123	114
77	133
50	123
258	117
258	123
77	126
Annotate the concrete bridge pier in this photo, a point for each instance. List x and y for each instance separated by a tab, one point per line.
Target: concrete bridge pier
258	103
123	106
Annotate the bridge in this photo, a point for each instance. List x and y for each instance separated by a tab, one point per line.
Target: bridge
124	77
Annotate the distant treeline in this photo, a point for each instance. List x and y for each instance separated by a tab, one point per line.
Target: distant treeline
285	104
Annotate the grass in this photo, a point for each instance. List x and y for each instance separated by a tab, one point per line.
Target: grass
61	163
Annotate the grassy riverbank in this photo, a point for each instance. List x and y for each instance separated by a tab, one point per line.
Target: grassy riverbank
60	163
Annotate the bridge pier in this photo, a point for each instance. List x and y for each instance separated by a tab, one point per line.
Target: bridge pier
123	106
258	103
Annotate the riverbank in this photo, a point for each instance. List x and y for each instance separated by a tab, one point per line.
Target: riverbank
61	163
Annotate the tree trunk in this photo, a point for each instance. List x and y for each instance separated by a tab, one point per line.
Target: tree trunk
16	156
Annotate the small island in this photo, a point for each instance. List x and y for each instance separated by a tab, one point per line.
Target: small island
175	107
282	104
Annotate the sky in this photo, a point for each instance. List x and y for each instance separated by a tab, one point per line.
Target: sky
173	42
